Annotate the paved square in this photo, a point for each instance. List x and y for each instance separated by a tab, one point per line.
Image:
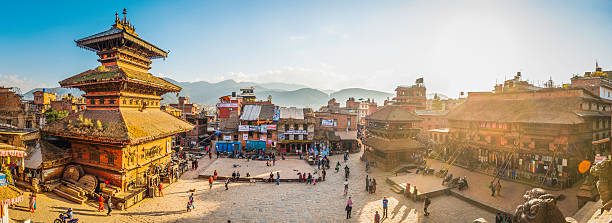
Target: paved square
288	168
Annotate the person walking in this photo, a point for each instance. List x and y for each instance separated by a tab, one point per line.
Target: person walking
367	184
32	202
492	187
226	183
215	174
160	187
498	188
191	201
346	183
210	182
109	206
376	217
426	205
100	203
373	185
349	207
385	205
277	178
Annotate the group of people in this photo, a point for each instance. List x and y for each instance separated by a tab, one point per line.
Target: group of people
370	185
102	201
310	179
495	188
460	182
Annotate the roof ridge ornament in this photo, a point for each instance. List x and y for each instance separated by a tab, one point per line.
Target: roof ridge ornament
124	23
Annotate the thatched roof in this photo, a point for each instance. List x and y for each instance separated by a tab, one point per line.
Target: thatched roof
394	113
392	145
123	126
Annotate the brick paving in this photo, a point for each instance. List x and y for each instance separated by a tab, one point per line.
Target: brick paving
511	192
288	168
262	202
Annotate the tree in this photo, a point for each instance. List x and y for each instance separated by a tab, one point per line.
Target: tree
52	116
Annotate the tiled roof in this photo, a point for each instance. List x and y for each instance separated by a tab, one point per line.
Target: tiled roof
124	126
556	110
430	112
116	73
111	31
394	113
392	145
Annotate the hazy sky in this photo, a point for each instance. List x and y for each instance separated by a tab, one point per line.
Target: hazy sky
455	45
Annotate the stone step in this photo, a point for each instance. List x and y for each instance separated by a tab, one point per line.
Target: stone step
70	197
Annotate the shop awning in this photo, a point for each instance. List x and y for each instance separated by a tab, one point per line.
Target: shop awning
601	141
10	195
10	150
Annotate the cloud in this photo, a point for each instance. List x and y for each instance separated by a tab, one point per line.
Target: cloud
318	78
23	83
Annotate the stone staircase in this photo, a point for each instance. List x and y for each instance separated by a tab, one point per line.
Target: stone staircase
397	188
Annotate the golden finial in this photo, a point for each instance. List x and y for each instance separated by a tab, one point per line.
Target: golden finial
124	13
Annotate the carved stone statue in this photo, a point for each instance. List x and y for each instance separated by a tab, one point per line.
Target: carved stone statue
603	171
539	207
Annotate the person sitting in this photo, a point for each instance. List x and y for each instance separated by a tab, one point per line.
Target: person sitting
447	179
271	177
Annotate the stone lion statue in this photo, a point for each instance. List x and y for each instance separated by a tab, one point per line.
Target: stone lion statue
603	171
539	207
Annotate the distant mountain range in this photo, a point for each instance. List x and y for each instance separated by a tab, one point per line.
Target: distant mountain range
283	94
203	92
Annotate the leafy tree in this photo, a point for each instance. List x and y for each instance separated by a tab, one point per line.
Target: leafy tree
52	116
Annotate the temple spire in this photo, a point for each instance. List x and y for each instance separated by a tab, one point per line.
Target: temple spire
124	17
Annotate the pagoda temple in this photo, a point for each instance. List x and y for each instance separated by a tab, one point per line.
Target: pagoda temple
122	138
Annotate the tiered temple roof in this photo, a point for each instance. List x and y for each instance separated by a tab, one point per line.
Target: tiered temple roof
122	97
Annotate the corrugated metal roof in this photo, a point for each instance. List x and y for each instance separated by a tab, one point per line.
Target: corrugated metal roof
291	113
250	112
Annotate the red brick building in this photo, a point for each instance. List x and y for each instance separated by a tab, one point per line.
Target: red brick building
528	133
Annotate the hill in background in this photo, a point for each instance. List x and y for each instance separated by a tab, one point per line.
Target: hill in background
203	92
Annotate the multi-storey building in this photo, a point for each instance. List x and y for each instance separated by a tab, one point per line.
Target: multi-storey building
258	125
362	107
186	107
43	99
69	104
15	112
597	82
296	128
413	97
524	132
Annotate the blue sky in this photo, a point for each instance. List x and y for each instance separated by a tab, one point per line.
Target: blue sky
455	45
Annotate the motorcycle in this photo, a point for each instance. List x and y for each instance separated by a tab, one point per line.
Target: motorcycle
63	218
